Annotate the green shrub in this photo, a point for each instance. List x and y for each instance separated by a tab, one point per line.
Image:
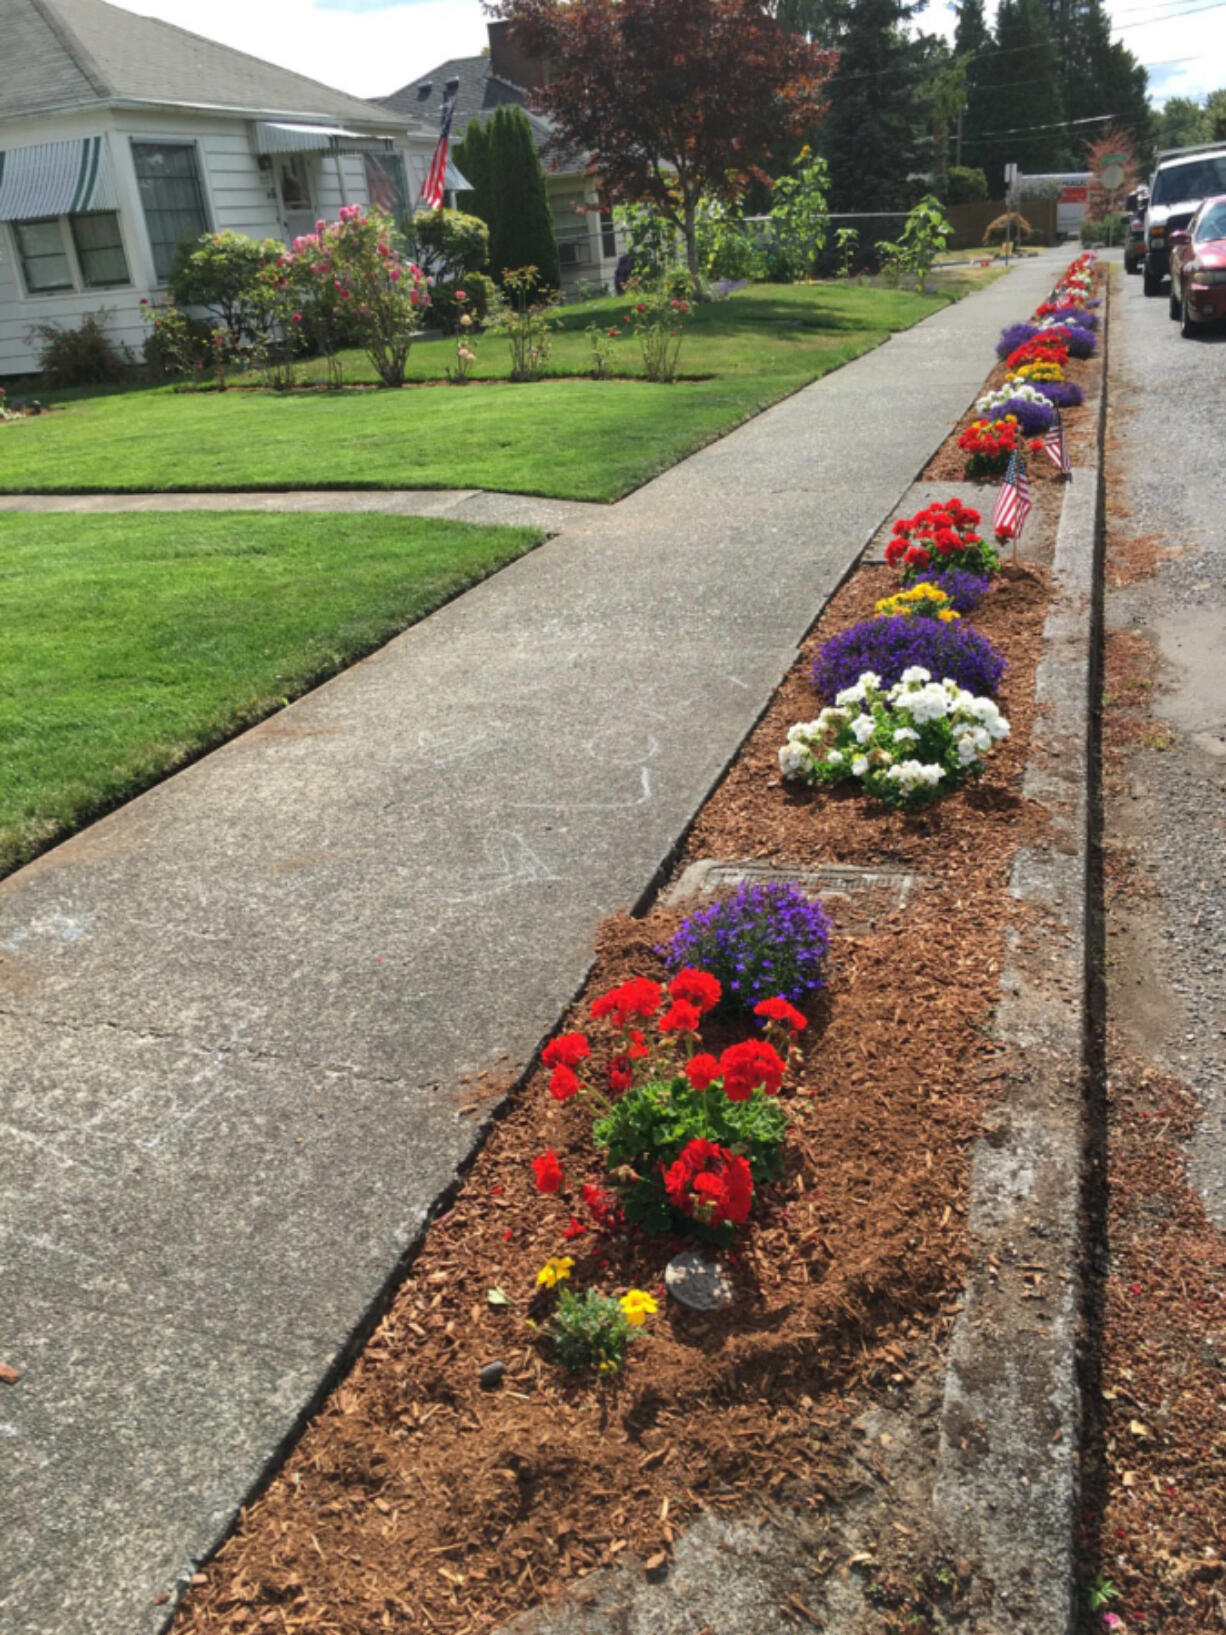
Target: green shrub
967	184
726	248
799	216
221	272
1106	230
85	356
448	244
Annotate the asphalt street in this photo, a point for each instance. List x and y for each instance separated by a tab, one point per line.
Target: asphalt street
1169	420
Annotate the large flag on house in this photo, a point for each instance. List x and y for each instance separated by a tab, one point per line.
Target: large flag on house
435	185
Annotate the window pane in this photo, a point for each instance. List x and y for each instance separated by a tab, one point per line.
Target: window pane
170	193
44	257
100	249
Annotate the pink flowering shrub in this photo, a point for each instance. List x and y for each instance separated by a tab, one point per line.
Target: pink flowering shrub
350	273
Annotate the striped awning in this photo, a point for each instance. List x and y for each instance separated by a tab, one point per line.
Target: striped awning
277	136
55	179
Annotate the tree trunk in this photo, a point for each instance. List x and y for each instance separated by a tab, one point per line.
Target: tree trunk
691	241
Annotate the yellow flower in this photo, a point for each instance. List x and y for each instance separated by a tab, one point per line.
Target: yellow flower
947	615
555	1270
637	1307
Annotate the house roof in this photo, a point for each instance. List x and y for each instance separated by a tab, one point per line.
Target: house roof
71	53
480	92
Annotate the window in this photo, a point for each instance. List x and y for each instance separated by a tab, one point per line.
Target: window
385	183
608	235
169	182
44	256
99	248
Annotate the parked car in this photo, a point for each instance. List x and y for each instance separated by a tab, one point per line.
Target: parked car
1184	177
1198	268
1134	245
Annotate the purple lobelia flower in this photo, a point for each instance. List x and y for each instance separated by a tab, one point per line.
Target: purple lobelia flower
1016	335
1061	394
1080	342
1032	418
890	646
965	590
763	941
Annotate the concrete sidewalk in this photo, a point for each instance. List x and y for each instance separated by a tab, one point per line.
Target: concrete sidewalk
234	1013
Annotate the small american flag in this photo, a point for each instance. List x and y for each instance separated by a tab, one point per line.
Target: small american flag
435	184
1013	502
1056	449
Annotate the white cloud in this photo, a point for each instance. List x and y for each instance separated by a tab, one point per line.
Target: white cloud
366	47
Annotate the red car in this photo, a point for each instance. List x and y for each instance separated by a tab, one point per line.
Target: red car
1198	268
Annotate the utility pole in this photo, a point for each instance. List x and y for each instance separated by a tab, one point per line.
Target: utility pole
958	140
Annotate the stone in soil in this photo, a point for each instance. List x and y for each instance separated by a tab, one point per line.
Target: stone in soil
697	1282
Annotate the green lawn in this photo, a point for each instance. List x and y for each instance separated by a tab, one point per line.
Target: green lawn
131	643
573	439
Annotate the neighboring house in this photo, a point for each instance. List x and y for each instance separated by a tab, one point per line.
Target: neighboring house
121	135
587	243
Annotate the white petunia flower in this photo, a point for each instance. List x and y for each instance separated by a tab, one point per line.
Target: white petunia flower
916	672
906	735
793	761
863	728
859	766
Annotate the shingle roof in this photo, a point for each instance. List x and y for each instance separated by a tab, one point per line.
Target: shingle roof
479	93
63	53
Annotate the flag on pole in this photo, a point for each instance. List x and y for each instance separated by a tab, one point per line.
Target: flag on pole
1013	502
435	184
1056	449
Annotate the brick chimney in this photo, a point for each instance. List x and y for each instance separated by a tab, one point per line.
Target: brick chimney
509	61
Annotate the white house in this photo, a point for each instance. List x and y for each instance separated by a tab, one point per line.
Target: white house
121	135
588	244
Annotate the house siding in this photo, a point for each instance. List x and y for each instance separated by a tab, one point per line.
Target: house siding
239	196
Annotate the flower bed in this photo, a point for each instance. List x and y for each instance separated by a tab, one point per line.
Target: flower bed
534	1406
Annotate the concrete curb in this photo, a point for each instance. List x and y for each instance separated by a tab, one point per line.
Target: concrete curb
1006	1491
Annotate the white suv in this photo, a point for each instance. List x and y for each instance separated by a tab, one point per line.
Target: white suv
1183	178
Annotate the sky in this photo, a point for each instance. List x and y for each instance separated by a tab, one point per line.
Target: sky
373	47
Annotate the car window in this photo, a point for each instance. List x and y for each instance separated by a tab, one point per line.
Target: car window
1212	224
1191	180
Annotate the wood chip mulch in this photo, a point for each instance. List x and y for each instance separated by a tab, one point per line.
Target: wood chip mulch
419	1501
1157	1529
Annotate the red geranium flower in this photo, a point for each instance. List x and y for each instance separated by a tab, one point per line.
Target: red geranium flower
638	997
563	1083
621	1074
638	1046
568	1048
781	1010
548	1171
916	556
700	988
702	1071
747	1065
606	1211
680	1017
710	1185
576	1229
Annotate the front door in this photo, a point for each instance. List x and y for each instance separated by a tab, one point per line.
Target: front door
294	190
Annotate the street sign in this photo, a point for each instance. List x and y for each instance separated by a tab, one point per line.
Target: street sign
1112	171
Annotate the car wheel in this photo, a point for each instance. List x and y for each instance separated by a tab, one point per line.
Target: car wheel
1186	327
1153	282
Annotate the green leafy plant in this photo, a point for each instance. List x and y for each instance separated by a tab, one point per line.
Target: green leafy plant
967	184
600	341
657	319
524	318
654	1122
846	249
799	216
726	247
590	1330
1100	1592
925	234
85	356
